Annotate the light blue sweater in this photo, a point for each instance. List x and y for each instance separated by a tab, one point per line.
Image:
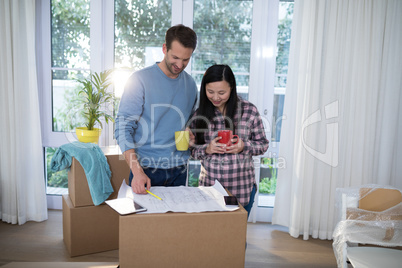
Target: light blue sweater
152	108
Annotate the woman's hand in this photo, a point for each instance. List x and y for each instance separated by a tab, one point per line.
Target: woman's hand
235	148
192	137
219	148
215	147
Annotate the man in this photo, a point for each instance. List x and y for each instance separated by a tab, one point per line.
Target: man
157	101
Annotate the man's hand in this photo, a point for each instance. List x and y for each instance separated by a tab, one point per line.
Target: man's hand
139	177
139	181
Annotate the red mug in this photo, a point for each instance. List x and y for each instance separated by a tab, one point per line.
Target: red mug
226	137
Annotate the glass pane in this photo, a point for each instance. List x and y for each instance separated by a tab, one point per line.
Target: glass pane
70	33
285	17
267	187
140	28
57	182
269	165
66	110
223	28
194	168
279	101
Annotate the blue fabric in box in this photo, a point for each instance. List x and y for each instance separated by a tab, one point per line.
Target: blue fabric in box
94	163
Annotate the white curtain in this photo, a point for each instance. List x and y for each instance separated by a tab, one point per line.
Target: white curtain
22	183
343	108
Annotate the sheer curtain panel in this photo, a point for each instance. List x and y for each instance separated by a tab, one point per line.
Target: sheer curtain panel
22	183
343	108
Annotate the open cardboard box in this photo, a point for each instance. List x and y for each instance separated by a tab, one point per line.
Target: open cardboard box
207	239
78	185
89	229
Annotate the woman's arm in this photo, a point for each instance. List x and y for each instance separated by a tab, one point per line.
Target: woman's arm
257	143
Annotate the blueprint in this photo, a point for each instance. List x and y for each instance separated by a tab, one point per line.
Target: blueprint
180	198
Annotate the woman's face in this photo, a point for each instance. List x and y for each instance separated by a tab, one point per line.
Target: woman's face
218	93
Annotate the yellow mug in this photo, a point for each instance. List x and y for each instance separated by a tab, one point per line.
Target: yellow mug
182	139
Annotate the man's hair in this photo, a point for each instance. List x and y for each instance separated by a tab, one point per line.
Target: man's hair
183	34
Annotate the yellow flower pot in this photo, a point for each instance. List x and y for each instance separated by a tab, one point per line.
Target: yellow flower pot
85	135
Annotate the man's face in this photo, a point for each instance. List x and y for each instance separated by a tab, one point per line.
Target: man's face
176	58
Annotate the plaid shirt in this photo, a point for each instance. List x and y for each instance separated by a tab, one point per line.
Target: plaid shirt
234	171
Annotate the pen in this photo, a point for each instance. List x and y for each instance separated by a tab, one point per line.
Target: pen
153	194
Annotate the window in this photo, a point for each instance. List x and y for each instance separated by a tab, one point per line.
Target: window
70	55
140	28
223	28
69	59
269	163
139	32
57	182
281	68
81	36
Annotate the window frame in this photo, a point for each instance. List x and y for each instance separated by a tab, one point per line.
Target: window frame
102	57
261	94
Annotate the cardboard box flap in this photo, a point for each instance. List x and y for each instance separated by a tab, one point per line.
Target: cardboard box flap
379	199
78	186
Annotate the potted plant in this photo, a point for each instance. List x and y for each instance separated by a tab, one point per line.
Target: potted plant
93	97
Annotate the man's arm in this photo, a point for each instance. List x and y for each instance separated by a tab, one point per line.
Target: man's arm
139	177
130	111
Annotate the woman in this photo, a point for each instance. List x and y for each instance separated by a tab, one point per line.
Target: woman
220	108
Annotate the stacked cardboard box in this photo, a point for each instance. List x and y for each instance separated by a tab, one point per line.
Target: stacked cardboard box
209	239
87	228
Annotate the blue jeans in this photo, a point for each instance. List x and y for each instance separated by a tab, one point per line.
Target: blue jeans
175	176
250	204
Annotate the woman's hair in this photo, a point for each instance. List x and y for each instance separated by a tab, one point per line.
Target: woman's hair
206	110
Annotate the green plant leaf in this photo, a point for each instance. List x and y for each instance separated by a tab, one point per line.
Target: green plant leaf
93	95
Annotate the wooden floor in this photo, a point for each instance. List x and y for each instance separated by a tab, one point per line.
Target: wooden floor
267	246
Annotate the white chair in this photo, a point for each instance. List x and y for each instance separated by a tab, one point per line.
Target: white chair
369	214
366	257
